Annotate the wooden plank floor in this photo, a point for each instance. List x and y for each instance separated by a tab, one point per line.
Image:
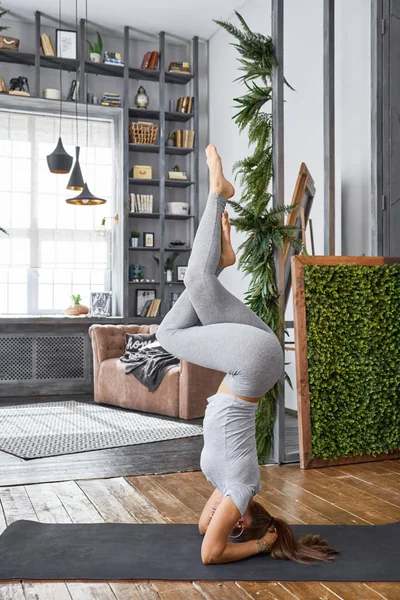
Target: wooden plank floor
363	494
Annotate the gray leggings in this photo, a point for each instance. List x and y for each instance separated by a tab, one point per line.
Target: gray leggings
210	327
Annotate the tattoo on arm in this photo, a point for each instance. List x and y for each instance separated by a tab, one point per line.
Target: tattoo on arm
263	546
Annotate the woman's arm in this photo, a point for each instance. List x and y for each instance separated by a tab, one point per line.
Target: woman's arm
216	549
208	511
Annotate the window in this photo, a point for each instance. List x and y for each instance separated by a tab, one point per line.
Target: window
53	249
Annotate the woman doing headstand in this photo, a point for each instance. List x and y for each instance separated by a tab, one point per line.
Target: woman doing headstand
210	327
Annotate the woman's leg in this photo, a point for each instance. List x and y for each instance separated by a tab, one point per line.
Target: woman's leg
212	302
231	339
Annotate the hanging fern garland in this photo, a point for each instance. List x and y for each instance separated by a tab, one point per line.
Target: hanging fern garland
255	217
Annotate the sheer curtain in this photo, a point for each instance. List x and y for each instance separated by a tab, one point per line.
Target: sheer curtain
53	249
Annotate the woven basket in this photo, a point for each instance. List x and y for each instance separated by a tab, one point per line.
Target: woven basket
142	132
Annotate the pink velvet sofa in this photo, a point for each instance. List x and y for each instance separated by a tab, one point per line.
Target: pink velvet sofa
182	393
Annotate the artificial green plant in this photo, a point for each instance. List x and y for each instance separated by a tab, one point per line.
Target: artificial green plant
262	223
353	350
97	46
2	13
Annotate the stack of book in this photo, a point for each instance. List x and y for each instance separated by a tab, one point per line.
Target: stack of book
47	45
111	99
184	105
179	67
142	203
151	308
113	58
150	60
183	138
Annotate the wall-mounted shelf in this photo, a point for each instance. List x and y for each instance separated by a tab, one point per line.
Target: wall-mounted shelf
156	182
136	215
143	248
155	149
178	249
154	115
144	282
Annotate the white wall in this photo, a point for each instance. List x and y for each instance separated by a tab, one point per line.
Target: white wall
303	67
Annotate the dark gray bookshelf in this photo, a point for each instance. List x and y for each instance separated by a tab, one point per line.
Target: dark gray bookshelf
82	66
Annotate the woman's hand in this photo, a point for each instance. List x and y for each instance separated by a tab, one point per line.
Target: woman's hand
267	541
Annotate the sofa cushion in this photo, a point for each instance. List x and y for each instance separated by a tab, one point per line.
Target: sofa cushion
117	387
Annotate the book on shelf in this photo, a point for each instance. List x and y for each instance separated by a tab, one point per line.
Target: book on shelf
184	138
154	308
146	308
73	90
47	45
179	67
113	61
115	55
150	60
184	104
141	203
111	99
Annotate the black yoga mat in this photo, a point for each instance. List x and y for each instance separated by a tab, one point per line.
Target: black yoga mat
115	551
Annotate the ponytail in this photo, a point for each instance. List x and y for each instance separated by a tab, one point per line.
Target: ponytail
307	549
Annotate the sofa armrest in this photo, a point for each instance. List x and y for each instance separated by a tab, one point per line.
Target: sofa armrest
196	384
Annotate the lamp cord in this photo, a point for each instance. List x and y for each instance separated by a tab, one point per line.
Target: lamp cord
87	106
59	21
76	82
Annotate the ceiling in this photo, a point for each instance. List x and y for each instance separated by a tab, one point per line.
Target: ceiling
185	18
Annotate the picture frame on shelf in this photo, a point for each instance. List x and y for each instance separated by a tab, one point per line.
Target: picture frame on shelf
148	239
66	43
100	304
180	273
143	296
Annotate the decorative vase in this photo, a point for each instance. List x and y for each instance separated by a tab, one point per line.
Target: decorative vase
168	276
76	310
141	99
95	57
169	142
134	242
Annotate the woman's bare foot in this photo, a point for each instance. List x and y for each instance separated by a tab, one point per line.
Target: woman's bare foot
228	256
218	184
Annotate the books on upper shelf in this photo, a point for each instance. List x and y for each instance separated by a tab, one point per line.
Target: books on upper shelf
184	104
183	138
179	67
111	99
150	60
141	203
151	308
113	58
47	45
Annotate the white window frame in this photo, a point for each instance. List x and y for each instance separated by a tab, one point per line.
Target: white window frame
113	116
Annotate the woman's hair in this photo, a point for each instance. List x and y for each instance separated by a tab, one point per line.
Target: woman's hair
307	549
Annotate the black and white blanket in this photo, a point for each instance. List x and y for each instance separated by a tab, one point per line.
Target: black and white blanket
146	359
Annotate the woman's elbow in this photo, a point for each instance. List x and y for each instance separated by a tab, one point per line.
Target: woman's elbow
207	559
210	558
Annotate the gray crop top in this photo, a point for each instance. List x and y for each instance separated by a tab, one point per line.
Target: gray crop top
229	457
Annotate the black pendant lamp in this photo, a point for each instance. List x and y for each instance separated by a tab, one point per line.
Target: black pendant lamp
76	180
85	198
59	161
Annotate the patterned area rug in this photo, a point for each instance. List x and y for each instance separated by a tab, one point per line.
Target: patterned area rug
54	428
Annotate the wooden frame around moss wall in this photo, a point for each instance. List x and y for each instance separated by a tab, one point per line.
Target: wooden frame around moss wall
300	329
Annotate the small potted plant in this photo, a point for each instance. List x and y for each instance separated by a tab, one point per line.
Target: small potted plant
135	235
77	308
169	265
170	139
96	49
